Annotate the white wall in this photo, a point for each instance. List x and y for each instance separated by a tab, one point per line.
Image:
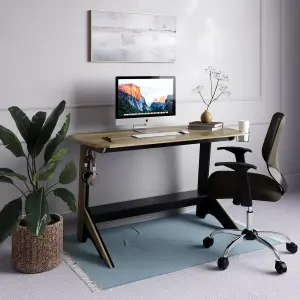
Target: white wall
43	59
290	88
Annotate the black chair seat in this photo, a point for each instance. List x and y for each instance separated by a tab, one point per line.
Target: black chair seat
222	185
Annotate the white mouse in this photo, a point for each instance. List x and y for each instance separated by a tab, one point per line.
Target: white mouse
184	131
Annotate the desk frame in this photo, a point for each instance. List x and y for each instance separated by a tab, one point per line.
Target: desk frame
88	216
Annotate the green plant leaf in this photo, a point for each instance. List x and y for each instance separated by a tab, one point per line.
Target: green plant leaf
57	155
5	179
67	197
68	174
47	129
11	142
37	212
9	218
21	120
59	138
11	173
47	171
36	124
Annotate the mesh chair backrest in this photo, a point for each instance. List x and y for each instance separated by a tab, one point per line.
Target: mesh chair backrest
270	149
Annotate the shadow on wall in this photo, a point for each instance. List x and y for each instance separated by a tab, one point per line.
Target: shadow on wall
129	175
94	108
135	175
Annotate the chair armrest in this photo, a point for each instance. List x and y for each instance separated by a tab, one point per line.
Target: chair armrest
235	149
242	193
236	166
239	152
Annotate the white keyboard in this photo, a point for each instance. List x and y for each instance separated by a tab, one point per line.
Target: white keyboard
155	134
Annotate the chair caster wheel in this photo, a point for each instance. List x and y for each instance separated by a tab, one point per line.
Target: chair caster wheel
223	263
280	267
291	247
208	242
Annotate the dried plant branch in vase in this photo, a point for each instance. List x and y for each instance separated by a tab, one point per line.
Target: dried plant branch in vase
217	88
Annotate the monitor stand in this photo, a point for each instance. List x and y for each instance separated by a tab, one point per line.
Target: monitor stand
143	128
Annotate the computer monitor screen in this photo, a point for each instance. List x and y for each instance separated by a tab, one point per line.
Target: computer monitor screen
144	97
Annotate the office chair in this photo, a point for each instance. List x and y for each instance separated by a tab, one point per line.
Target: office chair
243	187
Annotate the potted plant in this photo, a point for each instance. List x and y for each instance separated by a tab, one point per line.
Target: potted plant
217	89
36	233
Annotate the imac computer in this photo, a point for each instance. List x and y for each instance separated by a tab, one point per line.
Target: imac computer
143	102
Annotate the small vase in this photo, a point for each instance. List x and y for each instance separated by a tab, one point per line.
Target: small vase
206	117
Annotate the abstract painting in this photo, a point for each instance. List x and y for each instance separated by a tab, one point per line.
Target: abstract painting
132	37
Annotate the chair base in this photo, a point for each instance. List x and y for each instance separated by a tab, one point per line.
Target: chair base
251	234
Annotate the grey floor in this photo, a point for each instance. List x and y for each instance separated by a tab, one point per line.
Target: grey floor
249	276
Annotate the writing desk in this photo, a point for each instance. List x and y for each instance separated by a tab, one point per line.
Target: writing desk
88	216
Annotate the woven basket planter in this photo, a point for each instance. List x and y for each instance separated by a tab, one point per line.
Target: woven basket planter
31	254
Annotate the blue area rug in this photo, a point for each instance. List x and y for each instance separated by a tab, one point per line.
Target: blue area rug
152	248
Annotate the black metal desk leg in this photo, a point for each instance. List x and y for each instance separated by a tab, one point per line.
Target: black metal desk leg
204	163
81	229
206	205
